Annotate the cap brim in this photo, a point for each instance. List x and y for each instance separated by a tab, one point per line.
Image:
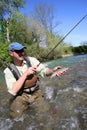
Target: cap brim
23	47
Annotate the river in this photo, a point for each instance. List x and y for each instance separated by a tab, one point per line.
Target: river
65	96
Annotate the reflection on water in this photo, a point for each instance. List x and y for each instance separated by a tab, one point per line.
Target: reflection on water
66	101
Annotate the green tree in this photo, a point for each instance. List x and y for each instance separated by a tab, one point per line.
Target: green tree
7	9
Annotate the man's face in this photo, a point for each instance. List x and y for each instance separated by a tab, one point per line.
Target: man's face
17	54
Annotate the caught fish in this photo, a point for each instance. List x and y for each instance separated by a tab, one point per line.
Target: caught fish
59	70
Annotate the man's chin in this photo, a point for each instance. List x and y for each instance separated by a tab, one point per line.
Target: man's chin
21	58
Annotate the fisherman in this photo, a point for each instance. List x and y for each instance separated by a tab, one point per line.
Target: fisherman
22	81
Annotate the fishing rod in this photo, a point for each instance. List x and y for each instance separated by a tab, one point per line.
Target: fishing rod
67	34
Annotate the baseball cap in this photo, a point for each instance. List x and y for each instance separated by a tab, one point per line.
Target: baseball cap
15	46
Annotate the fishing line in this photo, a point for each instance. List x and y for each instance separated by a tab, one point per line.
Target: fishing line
67	34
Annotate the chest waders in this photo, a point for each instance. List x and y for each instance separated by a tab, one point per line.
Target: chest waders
16	74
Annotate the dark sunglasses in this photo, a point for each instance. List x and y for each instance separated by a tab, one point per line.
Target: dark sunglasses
19	51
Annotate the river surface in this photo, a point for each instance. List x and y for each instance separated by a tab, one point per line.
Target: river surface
66	100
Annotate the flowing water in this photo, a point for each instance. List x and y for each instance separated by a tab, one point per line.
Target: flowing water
66	100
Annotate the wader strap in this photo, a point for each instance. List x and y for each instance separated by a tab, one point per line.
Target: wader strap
27	61
14	71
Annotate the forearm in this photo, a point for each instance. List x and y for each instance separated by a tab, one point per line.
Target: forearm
51	71
18	84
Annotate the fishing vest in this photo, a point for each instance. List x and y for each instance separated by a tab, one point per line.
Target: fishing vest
30	81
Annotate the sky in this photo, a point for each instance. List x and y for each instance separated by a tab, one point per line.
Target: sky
68	13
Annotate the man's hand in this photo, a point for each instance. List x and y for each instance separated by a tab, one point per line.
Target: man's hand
59	72
31	70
